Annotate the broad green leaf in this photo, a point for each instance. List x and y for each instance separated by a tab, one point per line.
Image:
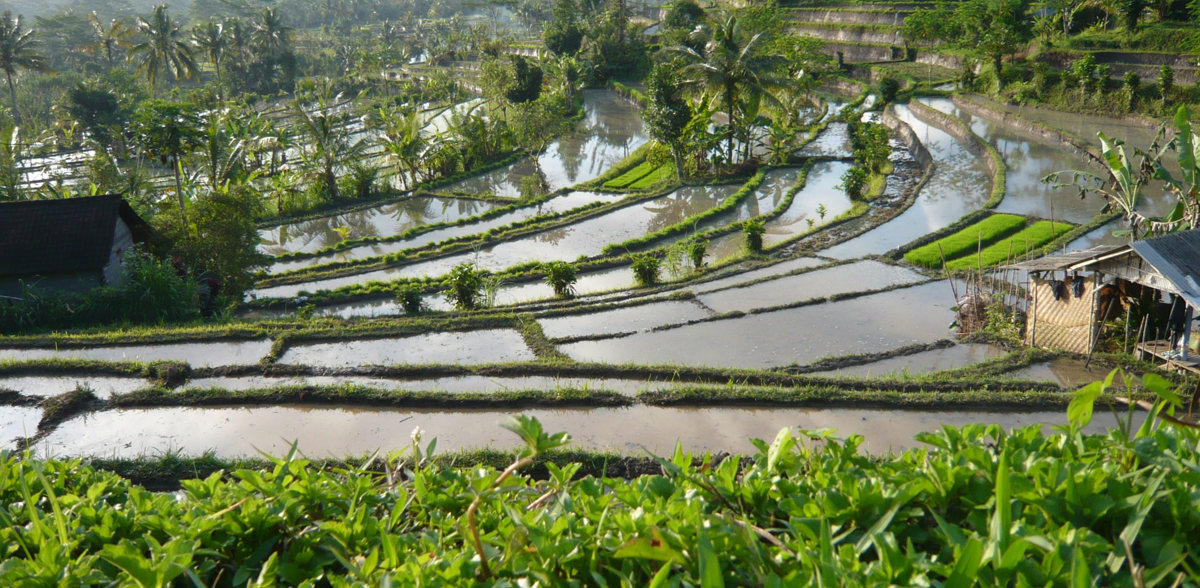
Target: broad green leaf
710	565
1079	411
965	569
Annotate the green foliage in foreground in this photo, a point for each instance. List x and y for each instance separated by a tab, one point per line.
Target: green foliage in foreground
1025	241
966	241
985	507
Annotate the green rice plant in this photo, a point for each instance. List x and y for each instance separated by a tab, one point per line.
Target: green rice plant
645	268
696	250
659	175
1026	241
623	181
966	241
465	284
561	276
409	297
753	231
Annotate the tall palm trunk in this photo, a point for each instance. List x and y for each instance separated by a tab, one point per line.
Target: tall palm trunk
12	91
179	196
730	107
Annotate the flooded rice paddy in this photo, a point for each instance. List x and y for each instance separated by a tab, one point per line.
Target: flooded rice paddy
339	432
925	362
47	386
196	354
581	239
855	277
558	204
474	347
17	421
385	220
960	183
869	324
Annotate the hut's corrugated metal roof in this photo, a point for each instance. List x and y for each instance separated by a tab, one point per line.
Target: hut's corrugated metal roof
1063	261
51	236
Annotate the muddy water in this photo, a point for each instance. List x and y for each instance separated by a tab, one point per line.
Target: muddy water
934	360
870	324
1067	372
610	131
1026	162
486	346
581	239
340	432
623	320
555	205
46	386
819	201
458	384
196	354
959	184
17	421
855	277
382	221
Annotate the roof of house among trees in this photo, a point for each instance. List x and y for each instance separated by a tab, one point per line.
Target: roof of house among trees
52	236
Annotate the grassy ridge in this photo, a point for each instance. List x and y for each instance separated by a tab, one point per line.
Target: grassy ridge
986	231
660	174
1029	239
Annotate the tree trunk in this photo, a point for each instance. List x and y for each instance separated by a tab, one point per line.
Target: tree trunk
998	65
179	195
12	91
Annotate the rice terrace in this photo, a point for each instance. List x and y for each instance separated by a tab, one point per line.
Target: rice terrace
599	293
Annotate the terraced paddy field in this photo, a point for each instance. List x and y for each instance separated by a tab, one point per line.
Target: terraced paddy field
818	331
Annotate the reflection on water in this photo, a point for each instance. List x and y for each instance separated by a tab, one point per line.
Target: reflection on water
934	360
582	239
17	421
623	320
382	221
1027	161
558	204
1066	372
611	129
869	324
855	277
46	386
959	184
339	432
195	354
820	201
487	346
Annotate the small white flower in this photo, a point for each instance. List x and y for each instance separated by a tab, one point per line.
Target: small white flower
416	435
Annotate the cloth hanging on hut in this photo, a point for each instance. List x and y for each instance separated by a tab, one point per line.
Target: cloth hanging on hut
1056	288
1078	285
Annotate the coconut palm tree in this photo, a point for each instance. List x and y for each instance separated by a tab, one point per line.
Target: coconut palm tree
108	39
326	142
731	66
18	50
210	38
270	35
163	49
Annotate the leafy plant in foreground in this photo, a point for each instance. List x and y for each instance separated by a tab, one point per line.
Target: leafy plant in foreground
645	269
753	231
561	276
464	285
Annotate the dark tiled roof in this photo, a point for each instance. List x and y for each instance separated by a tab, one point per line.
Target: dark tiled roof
49	236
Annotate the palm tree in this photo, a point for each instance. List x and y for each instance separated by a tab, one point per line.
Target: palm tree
210	38
163	49
405	143
270	35
327	142
108	39
732	67
18	50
